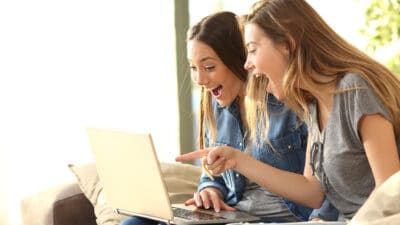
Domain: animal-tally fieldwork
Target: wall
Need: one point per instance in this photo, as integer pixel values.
(68, 65)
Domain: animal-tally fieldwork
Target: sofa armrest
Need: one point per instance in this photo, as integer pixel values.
(61, 205)
(74, 210)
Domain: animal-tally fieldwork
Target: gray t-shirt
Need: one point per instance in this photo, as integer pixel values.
(342, 168)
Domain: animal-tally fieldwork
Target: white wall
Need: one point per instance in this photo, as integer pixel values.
(68, 65)
(346, 17)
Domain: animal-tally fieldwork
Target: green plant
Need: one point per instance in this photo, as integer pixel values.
(382, 27)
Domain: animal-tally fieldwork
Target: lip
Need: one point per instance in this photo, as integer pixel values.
(257, 75)
(211, 90)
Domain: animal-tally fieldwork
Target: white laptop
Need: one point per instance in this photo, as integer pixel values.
(132, 181)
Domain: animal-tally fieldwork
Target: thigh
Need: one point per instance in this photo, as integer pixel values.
(266, 205)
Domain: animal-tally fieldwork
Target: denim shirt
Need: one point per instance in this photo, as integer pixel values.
(286, 134)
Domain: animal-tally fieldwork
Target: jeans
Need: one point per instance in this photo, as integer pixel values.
(144, 221)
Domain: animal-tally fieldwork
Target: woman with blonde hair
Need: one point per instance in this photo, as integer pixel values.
(350, 102)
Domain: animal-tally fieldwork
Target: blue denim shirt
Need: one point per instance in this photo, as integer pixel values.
(288, 137)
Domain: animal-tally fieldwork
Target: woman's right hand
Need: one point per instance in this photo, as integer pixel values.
(216, 159)
(209, 198)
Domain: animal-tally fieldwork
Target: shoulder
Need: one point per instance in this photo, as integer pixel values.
(274, 105)
(352, 80)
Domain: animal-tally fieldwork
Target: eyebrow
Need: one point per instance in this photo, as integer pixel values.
(249, 43)
(204, 59)
(207, 58)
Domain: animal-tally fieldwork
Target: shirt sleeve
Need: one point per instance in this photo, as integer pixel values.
(361, 101)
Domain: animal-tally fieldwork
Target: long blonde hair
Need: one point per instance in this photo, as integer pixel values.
(315, 48)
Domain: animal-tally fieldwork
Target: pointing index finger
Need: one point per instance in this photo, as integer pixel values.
(192, 155)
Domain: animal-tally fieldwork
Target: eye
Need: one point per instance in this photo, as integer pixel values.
(209, 68)
(192, 68)
(251, 50)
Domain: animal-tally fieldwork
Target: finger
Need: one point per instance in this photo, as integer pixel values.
(205, 198)
(197, 199)
(216, 155)
(217, 170)
(216, 200)
(192, 155)
(217, 167)
(190, 202)
(227, 207)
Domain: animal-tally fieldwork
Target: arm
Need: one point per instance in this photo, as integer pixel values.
(304, 189)
(377, 135)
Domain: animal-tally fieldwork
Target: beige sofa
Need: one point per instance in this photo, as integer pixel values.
(82, 202)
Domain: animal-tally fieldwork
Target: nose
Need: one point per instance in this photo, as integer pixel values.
(248, 65)
(200, 78)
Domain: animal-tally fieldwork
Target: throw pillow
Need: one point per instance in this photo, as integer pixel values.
(382, 206)
(181, 181)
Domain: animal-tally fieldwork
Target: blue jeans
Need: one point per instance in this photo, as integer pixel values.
(144, 221)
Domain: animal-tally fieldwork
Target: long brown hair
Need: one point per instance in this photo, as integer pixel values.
(315, 48)
(220, 31)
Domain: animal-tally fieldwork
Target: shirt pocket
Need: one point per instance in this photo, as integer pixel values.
(288, 152)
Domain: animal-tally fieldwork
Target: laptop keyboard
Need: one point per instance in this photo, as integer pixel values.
(194, 215)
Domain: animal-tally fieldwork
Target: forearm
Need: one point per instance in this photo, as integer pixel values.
(295, 187)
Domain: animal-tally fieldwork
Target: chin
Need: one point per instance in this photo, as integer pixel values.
(279, 97)
(223, 103)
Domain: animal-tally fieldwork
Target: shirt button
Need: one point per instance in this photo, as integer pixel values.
(289, 147)
(237, 175)
(240, 144)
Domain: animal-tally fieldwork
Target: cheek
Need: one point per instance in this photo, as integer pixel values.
(194, 76)
(264, 60)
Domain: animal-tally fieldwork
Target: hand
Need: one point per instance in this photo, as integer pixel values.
(209, 198)
(317, 219)
(216, 159)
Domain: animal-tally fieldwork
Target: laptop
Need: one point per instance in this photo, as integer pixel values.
(133, 183)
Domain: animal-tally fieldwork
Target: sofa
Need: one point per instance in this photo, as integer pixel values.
(81, 202)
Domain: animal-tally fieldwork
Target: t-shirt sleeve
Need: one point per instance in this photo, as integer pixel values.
(362, 101)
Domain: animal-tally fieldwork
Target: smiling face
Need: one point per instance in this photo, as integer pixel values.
(208, 71)
(265, 58)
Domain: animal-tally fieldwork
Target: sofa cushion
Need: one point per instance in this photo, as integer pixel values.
(181, 181)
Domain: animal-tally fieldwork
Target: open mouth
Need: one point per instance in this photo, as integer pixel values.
(216, 92)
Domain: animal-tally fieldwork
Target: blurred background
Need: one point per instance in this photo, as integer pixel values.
(69, 65)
